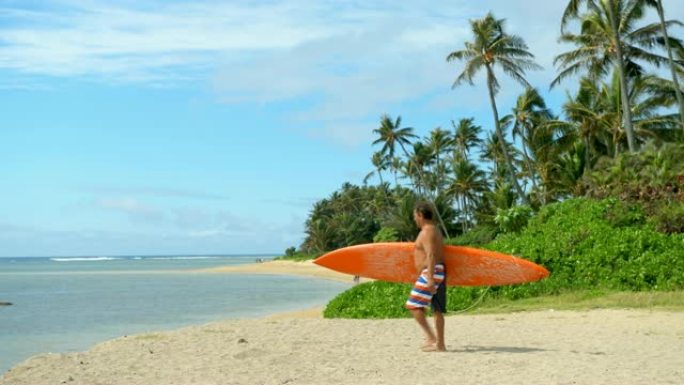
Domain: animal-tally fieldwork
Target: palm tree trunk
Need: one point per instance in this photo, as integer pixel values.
(678, 91)
(587, 154)
(528, 162)
(627, 111)
(502, 140)
(438, 170)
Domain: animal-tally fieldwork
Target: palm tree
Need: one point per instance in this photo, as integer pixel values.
(593, 118)
(491, 47)
(658, 5)
(380, 163)
(529, 113)
(570, 167)
(494, 151)
(395, 164)
(608, 38)
(440, 142)
(391, 134)
(468, 184)
(466, 136)
(418, 165)
(587, 116)
(647, 100)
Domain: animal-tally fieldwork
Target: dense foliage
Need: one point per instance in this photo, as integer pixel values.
(654, 178)
(355, 214)
(617, 140)
(585, 244)
(618, 135)
(609, 244)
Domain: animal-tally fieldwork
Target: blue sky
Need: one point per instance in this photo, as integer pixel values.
(172, 127)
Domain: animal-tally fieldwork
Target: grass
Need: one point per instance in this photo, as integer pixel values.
(586, 300)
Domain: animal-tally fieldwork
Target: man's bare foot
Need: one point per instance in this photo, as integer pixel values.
(432, 347)
(429, 348)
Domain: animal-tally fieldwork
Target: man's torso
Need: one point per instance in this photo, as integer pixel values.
(428, 238)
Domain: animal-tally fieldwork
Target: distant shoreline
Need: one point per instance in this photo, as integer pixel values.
(283, 267)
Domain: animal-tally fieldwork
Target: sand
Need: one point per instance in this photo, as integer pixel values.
(542, 347)
(305, 268)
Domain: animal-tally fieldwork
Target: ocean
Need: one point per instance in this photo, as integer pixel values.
(67, 304)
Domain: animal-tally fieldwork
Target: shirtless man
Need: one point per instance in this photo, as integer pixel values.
(429, 289)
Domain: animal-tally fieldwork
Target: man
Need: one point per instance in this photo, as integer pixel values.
(430, 288)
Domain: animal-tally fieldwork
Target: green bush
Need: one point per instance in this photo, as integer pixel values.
(668, 217)
(386, 234)
(380, 300)
(376, 299)
(478, 236)
(588, 244)
(513, 219)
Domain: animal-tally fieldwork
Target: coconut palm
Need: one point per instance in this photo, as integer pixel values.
(418, 165)
(529, 113)
(658, 5)
(396, 164)
(588, 118)
(440, 143)
(466, 136)
(646, 102)
(570, 168)
(392, 134)
(492, 150)
(493, 47)
(545, 145)
(380, 163)
(468, 185)
(609, 39)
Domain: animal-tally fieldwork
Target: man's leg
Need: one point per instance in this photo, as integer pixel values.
(439, 328)
(419, 316)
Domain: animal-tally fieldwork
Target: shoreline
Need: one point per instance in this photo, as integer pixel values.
(300, 347)
(558, 347)
(284, 267)
(303, 269)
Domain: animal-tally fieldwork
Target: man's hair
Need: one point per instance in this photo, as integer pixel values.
(425, 210)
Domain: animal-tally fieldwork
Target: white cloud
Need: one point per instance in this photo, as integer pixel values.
(135, 44)
(344, 63)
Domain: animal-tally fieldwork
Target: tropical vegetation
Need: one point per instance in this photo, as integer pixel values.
(594, 191)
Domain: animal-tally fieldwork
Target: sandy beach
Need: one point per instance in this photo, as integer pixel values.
(594, 347)
(543, 347)
(305, 268)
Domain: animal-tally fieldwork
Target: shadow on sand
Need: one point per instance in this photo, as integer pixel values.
(495, 349)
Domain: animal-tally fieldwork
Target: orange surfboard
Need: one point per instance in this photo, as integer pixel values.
(466, 266)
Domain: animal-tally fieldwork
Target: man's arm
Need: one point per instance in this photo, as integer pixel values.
(430, 245)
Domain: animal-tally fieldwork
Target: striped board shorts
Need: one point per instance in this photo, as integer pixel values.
(421, 297)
